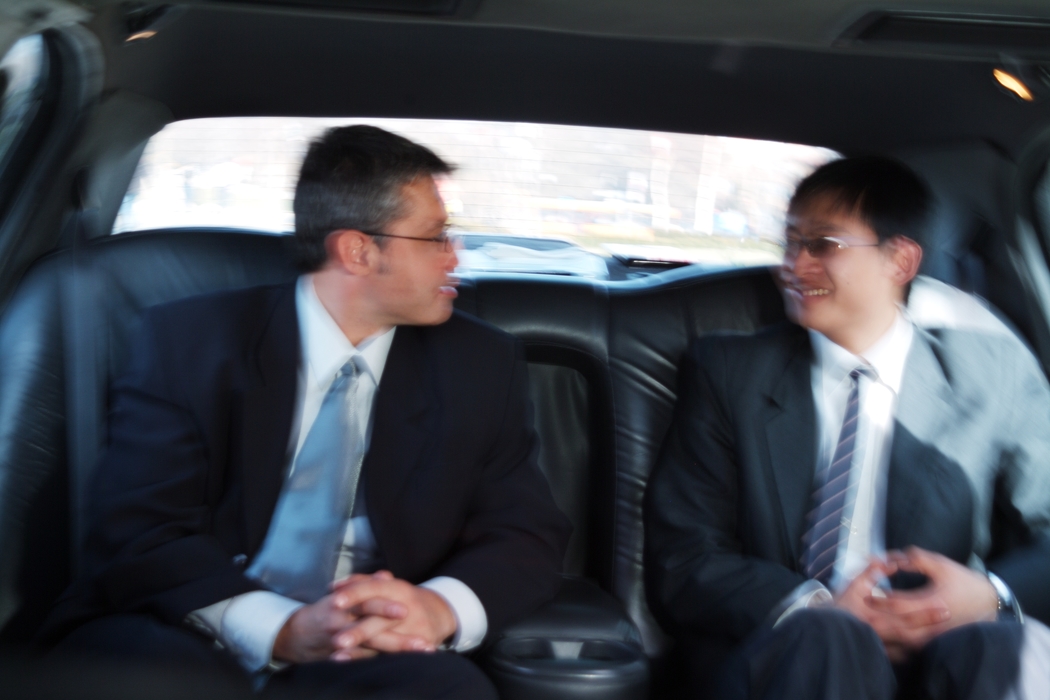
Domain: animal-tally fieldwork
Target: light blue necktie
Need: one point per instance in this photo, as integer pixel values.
(299, 555)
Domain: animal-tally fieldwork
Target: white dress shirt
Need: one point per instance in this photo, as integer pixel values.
(248, 624)
(871, 457)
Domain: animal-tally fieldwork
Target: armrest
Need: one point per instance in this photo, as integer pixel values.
(580, 645)
(581, 610)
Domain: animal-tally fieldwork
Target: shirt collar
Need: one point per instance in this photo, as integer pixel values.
(887, 355)
(325, 347)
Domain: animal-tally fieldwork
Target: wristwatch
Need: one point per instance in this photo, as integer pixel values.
(1009, 608)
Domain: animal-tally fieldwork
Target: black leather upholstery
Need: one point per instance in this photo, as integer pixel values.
(580, 645)
(34, 512)
(649, 331)
(602, 359)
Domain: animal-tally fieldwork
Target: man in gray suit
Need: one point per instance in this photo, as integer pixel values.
(835, 494)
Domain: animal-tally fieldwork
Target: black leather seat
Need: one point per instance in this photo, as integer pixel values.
(603, 364)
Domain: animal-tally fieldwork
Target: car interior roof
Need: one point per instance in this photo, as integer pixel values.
(784, 83)
(812, 23)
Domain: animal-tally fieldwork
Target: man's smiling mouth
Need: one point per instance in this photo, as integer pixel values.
(814, 292)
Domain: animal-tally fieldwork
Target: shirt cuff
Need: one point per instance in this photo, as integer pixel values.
(809, 594)
(209, 620)
(471, 621)
(247, 625)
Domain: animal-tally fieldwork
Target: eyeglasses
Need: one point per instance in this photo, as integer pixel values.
(820, 247)
(446, 238)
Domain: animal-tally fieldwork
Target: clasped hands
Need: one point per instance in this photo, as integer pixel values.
(905, 620)
(363, 615)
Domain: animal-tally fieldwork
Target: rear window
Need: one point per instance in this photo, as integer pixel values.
(530, 198)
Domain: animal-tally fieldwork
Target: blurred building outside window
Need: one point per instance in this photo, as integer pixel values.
(531, 197)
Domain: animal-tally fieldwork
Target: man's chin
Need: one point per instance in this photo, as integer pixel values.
(797, 314)
(434, 317)
(445, 315)
(808, 311)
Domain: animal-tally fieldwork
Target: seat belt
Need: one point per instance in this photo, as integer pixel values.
(85, 390)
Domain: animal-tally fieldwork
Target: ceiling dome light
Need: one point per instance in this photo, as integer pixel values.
(139, 36)
(1013, 84)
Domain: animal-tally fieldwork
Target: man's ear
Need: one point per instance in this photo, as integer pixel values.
(350, 250)
(905, 259)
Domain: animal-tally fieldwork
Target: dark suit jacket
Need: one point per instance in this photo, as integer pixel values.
(726, 504)
(199, 439)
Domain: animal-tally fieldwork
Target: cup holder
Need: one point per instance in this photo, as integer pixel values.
(524, 667)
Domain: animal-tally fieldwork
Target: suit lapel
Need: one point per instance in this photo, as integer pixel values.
(404, 426)
(266, 415)
(924, 409)
(791, 436)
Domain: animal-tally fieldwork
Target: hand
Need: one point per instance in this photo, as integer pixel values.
(426, 622)
(967, 595)
(852, 598)
(310, 633)
(907, 625)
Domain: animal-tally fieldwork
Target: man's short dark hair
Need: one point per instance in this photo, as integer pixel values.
(885, 193)
(352, 178)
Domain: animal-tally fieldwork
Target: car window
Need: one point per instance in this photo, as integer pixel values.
(570, 200)
(22, 83)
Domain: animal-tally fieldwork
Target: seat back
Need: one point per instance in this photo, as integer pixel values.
(651, 329)
(624, 341)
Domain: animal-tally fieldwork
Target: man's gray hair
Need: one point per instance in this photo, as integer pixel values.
(352, 178)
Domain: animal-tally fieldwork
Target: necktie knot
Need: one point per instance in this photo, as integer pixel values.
(352, 367)
(865, 370)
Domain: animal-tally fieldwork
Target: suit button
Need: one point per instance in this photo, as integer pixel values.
(240, 560)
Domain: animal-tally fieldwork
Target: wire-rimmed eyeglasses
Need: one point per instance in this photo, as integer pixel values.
(446, 238)
(821, 246)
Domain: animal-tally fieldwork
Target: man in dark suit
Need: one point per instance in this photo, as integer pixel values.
(817, 469)
(331, 479)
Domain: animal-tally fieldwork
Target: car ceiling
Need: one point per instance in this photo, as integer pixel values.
(761, 69)
(812, 23)
(238, 60)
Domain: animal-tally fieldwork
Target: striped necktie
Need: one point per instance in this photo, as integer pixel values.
(832, 500)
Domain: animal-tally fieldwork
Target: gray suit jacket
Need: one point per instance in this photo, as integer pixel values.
(969, 472)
